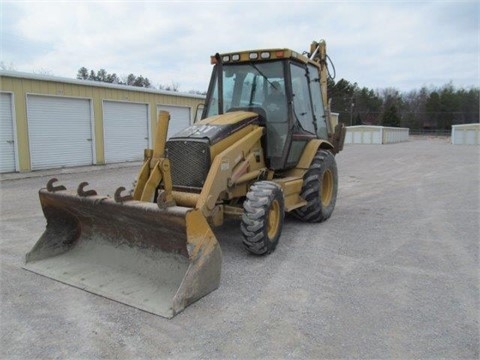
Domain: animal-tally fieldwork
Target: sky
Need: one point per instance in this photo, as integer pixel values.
(377, 44)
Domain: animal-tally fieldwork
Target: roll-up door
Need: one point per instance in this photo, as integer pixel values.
(125, 129)
(7, 135)
(60, 132)
(179, 118)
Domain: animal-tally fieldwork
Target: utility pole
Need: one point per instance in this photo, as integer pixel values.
(352, 105)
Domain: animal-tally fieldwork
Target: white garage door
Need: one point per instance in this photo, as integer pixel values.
(59, 131)
(7, 135)
(125, 129)
(179, 118)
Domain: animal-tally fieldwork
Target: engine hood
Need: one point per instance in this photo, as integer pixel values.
(218, 127)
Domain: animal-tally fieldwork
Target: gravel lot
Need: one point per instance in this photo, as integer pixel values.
(393, 274)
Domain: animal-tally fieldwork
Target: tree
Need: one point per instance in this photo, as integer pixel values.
(197, 92)
(343, 100)
(130, 79)
(82, 73)
(103, 76)
(433, 108)
(368, 106)
(413, 112)
(92, 76)
(169, 87)
(470, 105)
(390, 116)
(113, 78)
(427, 108)
(449, 107)
(392, 102)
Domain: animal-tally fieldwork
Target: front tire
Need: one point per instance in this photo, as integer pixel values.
(320, 187)
(263, 215)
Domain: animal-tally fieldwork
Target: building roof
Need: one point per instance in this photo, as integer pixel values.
(31, 76)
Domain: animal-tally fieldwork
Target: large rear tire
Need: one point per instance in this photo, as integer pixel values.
(262, 220)
(320, 187)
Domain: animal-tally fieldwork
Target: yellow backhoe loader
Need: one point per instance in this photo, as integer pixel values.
(265, 146)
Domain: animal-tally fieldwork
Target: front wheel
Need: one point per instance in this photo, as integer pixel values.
(320, 186)
(262, 220)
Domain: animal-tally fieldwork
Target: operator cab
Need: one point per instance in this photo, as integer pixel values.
(279, 86)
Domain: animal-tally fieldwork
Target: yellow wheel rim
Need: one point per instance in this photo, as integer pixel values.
(326, 192)
(273, 219)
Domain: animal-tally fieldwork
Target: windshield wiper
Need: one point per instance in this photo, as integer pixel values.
(298, 122)
(263, 75)
(254, 89)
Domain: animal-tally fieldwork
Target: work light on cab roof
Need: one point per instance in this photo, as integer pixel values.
(253, 55)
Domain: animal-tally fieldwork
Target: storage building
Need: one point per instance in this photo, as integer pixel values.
(366, 134)
(49, 122)
(466, 134)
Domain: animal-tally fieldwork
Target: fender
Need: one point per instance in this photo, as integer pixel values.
(308, 155)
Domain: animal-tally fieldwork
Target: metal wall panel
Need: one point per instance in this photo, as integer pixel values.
(59, 130)
(7, 134)
(125, 129)
(179, 118)
(393, 135)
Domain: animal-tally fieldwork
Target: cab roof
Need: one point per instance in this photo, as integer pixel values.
(261, 55)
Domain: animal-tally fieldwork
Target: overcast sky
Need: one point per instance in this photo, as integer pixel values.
(377, 44)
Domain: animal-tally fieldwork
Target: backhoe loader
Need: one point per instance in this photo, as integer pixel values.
(264, 147)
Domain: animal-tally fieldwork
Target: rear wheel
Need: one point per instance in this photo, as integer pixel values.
(320, 186)
(262, 220)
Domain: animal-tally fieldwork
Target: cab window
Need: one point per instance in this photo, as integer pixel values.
(302, 107)
(317, 102)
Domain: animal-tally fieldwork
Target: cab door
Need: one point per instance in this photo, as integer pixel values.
(303, 116)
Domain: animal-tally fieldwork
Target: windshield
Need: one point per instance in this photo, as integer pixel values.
(249, 85)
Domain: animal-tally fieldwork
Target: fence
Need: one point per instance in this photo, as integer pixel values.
(433, 132)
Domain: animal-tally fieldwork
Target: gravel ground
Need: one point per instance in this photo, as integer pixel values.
(392, 274)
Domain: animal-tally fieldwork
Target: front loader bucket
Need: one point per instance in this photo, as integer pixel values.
(157, 260)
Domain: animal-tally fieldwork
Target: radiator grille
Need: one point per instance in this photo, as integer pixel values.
(189, 161)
